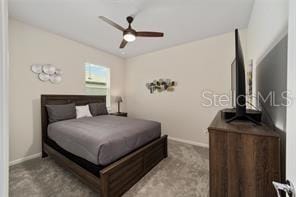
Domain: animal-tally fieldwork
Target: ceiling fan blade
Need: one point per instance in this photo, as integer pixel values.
(123, 44)
(149, 34)
(112, 23)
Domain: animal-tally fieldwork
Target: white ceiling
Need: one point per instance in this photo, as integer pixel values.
(181, 20)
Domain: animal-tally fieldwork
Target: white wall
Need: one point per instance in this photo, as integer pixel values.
(3, 98)
(268, 24)
(197, 66)
(29, 45)
(291, 111)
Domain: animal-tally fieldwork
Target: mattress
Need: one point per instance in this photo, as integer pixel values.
(103, 139)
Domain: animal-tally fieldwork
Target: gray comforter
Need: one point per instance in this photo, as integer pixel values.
(103, 139)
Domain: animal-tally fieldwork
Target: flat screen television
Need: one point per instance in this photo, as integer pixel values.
(238, 80)
(239, 112)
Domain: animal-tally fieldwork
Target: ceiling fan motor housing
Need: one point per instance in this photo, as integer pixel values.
(129, 31)
(129, 19)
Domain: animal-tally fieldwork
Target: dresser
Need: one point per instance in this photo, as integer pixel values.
(244, 159)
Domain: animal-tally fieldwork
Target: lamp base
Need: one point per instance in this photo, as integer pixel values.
(118, 111)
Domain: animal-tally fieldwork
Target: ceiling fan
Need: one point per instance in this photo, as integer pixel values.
(129, 34)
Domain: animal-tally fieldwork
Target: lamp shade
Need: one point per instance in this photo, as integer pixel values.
(118, 99)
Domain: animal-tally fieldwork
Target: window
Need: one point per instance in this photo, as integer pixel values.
(97, 81)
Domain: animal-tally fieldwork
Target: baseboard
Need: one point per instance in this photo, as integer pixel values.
(24, 159)
(189, 142)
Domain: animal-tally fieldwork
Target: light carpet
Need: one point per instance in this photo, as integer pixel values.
(185, 173)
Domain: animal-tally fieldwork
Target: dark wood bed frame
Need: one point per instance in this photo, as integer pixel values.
(116, 178)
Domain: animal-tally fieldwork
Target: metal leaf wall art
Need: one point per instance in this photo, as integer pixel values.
(161, 85)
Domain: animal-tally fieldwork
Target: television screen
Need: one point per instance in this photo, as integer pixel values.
(238, 87)
(240, 77)
(233, 83)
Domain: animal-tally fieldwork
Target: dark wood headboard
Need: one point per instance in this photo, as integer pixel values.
(63, 99)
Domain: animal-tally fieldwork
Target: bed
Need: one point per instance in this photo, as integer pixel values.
(109, 162)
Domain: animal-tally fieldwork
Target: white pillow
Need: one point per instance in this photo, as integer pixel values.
(82, 111)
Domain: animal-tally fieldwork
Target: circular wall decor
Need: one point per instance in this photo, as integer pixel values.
(37, 68)
(47, 72)
(49, 69)
(44, 76)
(55, 78)
(58, 71)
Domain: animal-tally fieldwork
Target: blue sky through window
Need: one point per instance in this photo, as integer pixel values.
(96, 73)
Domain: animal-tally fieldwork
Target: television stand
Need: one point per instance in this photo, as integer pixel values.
(244, 159)
(230, 115)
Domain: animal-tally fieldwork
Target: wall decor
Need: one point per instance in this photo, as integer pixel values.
(47, 72)
(250, 72)
(161, 85)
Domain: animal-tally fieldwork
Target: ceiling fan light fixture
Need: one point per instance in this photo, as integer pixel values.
(129, 37)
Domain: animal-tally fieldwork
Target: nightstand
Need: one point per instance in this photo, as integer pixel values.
(123, 114)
